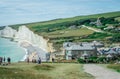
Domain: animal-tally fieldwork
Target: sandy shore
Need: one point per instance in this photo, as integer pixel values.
(33, 52)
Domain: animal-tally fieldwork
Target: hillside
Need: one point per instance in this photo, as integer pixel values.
(61, 22)
(71, 29)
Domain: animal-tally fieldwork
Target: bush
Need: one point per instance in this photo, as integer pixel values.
(101, 59)
(81, 60)
(92, 59)
(116, 37)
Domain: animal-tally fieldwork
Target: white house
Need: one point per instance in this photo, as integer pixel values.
(83, 49)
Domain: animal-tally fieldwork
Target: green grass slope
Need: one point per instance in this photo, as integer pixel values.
(67, 33)
(52, 28)
(58, 30)
(40, 24)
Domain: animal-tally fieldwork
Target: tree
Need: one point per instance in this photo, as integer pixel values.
(116, 37)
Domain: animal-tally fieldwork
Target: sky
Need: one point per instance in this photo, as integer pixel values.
(27, 11)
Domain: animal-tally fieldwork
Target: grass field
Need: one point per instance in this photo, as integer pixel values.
(116, 67)
(68, 33)
(43, 71)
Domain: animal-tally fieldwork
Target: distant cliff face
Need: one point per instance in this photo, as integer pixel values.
(24, 34)
(8, 32)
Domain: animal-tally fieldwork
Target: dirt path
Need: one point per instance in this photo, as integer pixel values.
(100, 72)
(94, 29)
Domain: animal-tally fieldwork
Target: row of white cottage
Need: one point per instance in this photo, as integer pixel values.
(86, 49)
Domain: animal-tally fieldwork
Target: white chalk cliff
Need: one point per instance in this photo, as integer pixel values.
(24, 34)
(36, 44)
(8, 32)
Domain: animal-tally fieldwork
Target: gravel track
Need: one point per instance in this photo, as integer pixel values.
(100, 72)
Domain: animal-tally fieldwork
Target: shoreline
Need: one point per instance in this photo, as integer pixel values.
(24, 44)
(25, 56)
(30, 50)
(17, 54)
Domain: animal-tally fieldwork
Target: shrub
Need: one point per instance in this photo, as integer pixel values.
(101, 59)
(92, 59)
(116, 37)
(81, 60)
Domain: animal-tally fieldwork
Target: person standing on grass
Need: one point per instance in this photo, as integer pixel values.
(8, 60)
(4, 59)
(28, 60)
(53, 60)
(0, 60)
(39, 60)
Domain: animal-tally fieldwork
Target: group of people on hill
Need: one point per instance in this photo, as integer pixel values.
(5, 61)
(34, 60)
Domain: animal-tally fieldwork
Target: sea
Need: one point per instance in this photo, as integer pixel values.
(11, 49)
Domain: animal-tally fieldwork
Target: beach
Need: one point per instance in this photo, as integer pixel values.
(33, 51)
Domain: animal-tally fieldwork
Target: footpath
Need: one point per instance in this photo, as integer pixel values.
(100, 72)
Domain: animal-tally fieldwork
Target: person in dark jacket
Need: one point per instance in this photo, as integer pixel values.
(53, 60)
(28, 60)
(1, 60)
(39, 60)
(8, 60)
(4, 59)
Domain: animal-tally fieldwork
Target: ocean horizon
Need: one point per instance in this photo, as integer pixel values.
(11, 49)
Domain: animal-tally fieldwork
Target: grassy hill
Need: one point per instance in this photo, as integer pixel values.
(58, 30)
(36, 25)
(48, 28)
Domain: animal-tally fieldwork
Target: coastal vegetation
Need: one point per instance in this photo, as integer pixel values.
(99, 59)
(44, 71)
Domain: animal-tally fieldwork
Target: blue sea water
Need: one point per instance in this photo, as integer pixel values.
(11, 49)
